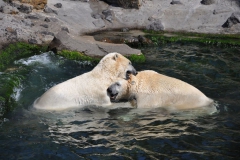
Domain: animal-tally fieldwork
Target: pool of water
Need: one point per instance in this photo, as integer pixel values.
(125, 133)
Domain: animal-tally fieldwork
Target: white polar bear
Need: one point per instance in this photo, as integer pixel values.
(89, 88)
(149, 89)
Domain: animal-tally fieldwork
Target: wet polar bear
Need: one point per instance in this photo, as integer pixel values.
(89, 88)
(149, 89)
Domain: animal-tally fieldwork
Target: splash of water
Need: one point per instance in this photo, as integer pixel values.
(41, 59)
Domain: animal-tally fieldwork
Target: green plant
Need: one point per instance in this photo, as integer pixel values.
(75, 55)
(7, 84)
(137, 58)
(18, 50)
(225, 40)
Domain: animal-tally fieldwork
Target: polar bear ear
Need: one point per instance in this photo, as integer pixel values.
(115, 57)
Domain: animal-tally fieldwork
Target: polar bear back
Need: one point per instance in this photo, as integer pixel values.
(79, 92)
(155, 90)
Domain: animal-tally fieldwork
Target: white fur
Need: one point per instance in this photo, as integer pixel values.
(86, 89)
(149, 89)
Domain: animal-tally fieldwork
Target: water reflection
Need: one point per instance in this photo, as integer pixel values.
(121, 132)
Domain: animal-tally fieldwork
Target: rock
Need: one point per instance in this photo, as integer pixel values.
(207, 2)
(81, 0)
(1, 16)
(99, 23)
(64, 41)
(125, 3)
(97, 16)
(24, 8)
(50, 19)
(47, 19)
(49, 10)
(28, 22)
(108, 15)
(156, 26)
(228, 24)
(37, 4)
(125, 29)
(2, 4)
(10, 10)
(47, 33)
(175, 2)
(58, 5)
(65, 29)
(32, 41)
(120, 48)
(232, 20)
(221, 10)
(47, 39)
(142, 39)
(16, 4)
(44, 25)
(32, 16)
(53, 19)
(132, 40)
(151, 18)
(11, 30)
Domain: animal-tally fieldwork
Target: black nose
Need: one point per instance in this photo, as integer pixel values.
(109, 90)
(134, 72)
(129, 72)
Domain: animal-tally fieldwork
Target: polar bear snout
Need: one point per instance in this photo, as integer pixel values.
(113, 91)
(132, 70)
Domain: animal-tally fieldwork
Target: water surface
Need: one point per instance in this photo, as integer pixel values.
(124, 133)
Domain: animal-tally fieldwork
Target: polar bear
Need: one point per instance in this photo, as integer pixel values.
(149, 89)
(88, 88)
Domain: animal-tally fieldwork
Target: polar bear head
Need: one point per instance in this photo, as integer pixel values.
(116, 66)
(122, 89)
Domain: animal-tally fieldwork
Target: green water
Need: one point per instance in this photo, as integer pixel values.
(124, 133)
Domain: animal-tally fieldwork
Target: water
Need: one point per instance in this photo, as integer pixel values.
(124, 133)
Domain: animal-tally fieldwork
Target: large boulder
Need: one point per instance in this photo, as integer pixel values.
(63, 40)
(232, 20)
(125, 3)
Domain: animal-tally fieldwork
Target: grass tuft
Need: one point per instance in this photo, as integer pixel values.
(75, 55)
(137, 58)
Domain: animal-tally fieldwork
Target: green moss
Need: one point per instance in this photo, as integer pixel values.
(75, 55)
(18, 50)
(137, 58)
(225, 40)
(8, 81)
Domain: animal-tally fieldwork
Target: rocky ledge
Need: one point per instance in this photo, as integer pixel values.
(63, 24)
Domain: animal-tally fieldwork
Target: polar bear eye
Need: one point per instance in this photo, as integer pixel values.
(130, 63)
(118, 84)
